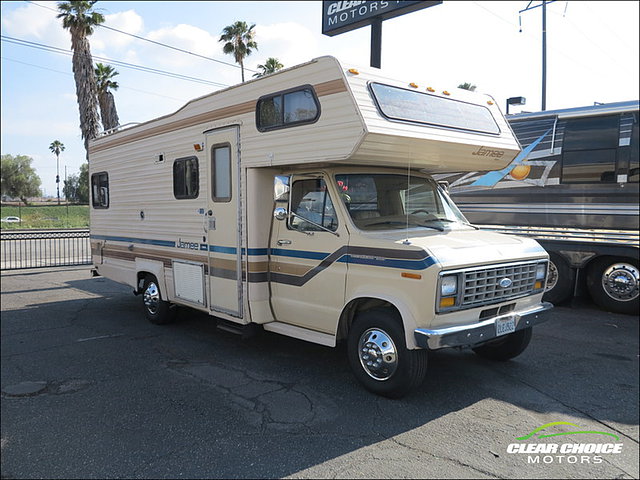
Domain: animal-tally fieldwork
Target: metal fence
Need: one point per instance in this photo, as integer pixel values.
(44, 248)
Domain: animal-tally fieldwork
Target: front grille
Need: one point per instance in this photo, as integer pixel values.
(482, 286)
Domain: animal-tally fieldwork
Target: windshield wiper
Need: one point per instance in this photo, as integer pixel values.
(396, 222)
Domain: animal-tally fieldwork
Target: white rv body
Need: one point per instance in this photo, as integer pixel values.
(214, 244)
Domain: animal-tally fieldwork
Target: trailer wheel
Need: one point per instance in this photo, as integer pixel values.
(560, 280)
(613, 284)
(379, 357)
(506, 347)
(156, 310)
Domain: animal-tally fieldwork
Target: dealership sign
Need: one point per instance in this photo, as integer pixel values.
(342, 16)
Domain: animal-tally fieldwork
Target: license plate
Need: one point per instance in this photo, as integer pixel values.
(505, 325)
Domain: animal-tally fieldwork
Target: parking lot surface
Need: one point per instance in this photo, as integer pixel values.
(91, 390)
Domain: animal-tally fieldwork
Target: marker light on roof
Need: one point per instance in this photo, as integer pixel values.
(413, 85)
(429, 89)
(446, 93)
(489, 102)
(354, 71)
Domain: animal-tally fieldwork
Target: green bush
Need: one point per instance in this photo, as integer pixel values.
(46, 216)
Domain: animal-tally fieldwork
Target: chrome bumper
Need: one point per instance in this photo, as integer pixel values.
(478, 332)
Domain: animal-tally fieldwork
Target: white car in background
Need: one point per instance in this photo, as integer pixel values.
(11, 220)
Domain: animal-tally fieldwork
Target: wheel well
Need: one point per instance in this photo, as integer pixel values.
(140, 276)
(357, 306)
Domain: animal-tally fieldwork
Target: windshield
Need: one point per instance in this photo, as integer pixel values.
(393, 201)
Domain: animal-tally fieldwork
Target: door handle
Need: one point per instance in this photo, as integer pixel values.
(283, 242)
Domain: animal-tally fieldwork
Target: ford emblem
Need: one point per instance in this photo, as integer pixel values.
(505, 282)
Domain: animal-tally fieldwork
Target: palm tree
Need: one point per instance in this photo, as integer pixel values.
(467, 86)
(272, 65)
(80, 20)
(239, 42)
(56, 147)
(104, 83)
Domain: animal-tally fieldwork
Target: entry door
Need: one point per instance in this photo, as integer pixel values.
(307, 278)
(222, 221)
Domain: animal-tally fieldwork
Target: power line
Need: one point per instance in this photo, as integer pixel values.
(155, 42)
(71, 75)
(142, 68)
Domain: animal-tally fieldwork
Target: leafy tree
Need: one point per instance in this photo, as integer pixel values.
(105, 83)
(271, 65)
(83, 184)
(80, 20)
(467, 86)
(18, 178)
(239, 42)
(56, 148)
(76, 186)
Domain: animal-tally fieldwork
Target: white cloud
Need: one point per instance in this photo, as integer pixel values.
(186, 37)
(35, 22)
(128, 21)
(290, 42)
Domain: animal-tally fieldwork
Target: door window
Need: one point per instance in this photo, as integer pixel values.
(311, 206)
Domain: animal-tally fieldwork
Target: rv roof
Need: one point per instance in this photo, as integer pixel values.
(604, 109)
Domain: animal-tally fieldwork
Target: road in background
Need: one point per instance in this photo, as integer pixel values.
(91, 390)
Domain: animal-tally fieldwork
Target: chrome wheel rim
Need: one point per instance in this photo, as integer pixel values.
(152, 298)
(620, 282)
(552, 277)
(378, 354)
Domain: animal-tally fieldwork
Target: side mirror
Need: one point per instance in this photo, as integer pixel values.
(280, 213)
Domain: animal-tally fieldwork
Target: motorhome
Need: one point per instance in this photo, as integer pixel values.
(301, 203)
(574, 188)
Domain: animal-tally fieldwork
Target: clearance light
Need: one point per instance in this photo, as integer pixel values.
(446, 93)
(197, 147)
(489, 102)
(354, 71)
(415, 276)
(447, 302)
(413, 85)
(429, 89)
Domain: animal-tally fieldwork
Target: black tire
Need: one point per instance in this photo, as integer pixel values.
(613, 284)
(560, 280)
(156, 310)
(506, 347)
(406, 370)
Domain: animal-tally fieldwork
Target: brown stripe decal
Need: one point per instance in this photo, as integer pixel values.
(325, 88)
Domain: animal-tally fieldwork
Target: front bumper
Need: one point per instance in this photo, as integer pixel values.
(478, 332)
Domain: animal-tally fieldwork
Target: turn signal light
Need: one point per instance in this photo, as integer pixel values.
(415, 276)
(447, 302)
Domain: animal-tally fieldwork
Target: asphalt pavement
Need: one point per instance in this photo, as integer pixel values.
(90, 389)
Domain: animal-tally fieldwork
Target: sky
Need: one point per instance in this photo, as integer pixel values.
(592, 56)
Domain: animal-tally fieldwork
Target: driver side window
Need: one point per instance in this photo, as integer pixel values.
(311, 204)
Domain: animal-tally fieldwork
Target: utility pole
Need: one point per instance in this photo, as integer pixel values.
(542, 4)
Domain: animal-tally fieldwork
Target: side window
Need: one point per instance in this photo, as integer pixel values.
(312, 206)
(287, 109)
(221, 173)
(589, 150)
(100, 190)
(634, 162)
(186, 178)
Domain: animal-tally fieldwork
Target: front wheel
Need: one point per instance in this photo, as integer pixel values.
(560, 281)
(506, 347)
(379, 357)
(613, 284)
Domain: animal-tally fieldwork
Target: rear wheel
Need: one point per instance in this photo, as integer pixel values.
(156, 310)
(379, 357)
(506, 347)
(560, 280)
(613, 284)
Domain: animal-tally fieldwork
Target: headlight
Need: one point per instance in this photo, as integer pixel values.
(448, 285)
(541, 271)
